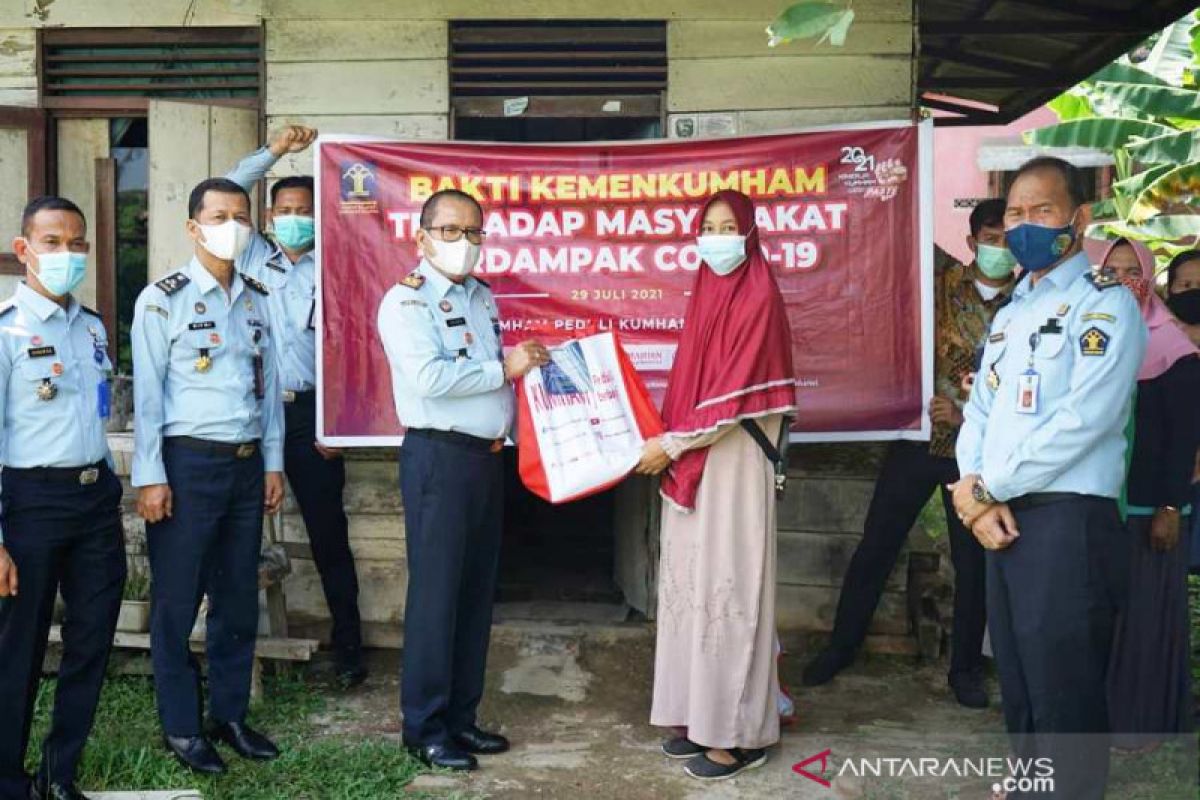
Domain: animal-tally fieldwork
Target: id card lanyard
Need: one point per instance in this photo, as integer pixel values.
(1029, 382)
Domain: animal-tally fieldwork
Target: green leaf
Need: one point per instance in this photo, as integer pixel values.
(1104, 208)
(1071, 105)
(1099, 133)
(1175, 148)
(1168, 227)
(837, 34)
(804, 20)
(1153, 101)
(1171, 55)
(1179, 185)
(1124, 73)
(1134, 185)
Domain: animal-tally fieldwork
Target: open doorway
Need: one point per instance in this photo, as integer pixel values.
(565, 82)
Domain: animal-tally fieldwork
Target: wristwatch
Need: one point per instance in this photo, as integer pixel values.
(981, 493)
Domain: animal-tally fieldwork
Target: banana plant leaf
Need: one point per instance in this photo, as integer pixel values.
(1178, 185)
(1071, 105)
(1153, 101)
(1174, 148)
(1124, 73)
(1099, 133)
(804, 20)
(1168, 227)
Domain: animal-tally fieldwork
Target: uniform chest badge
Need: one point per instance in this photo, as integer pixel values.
(1063, 309)
(469, 338)
(200, 307)
(57, 368)
(35, 341)
(1093, 342)
(46, 390)
(993, 378)
(446, 306)
(215, 338)
(203, 363)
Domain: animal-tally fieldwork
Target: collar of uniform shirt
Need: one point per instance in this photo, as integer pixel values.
(43, 306)
(206, 281)
(1061, 276)
(441, 283)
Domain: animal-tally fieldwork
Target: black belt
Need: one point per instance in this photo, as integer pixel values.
(306, 397)
(242, 450)
(84, 476)
(1038, 499)
(454, 437)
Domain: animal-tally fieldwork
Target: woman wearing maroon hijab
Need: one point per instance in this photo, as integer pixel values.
(714, 676)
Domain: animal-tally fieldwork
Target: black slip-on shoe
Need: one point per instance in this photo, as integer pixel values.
(704, 768)
(245, 741)
(444, 756)
(196, 753)
(681, 747)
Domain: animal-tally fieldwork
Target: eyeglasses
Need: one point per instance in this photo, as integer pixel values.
(452, 233)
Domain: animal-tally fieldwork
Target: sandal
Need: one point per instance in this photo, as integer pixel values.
(681, 747)
(705, 769)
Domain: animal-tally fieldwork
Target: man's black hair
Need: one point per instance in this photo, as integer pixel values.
(219, 185)
(1177, 262)
(294, 182)
(989, 214)
(47, 202)
(1071, 175)
(429, 210)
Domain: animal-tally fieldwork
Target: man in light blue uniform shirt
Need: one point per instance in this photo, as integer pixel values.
(285, 262)
(208, 461)
(60, 517)
(450, 381)
(1042, 454)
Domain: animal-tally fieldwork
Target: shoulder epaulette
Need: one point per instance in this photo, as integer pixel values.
(7, 307)
(91, 311)
(1102, 280)
(255, 284)
(173, 283)
(413, 280)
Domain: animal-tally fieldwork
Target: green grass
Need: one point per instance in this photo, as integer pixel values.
(126, 751)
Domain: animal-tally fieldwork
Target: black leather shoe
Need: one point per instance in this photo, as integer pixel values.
(828, 663)
(969, 689)
(196, 753)
(40, 790)
(245, 741)
(444, 756)
(481, 743)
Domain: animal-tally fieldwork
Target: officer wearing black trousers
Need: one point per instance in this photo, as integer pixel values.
(285, 261)
(1042, 454)
(450, 381)
(60, 520)
(208, 461)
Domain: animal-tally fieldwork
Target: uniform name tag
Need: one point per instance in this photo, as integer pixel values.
(202, 326)
(1027, 393)
(41, 352)
(456, 322)
(996, 337)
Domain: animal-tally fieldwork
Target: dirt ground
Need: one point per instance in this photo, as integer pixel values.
(575, 702)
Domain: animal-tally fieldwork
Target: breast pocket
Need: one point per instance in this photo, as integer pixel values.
(211, 339)
(1052, 360)
(44, 377)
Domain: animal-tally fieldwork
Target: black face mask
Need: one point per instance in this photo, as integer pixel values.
(1186, 306)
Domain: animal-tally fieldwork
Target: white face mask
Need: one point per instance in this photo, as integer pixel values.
(226, 241)
(455, 259)
(722, 252)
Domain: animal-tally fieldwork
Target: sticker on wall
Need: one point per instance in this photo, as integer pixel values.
(515, 106)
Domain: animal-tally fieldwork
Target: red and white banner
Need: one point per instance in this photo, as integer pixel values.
(601, 236)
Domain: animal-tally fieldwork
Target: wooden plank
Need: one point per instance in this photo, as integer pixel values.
(349, 40)
(812, 608)
(381, 585)
(818, 559)
(178, 138)
(26, 97)
(358, 87)
(273, 648)
(759, 11)
(575, 106)
(80, 143)
(702, 39)
(18, 58)
(714, 84)
(371, 535)
(372, 488)
(129, 13)
(784, 119)
(826, 505)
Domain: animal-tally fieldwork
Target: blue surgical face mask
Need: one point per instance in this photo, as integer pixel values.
(294, 232)
(722, 252)
(1038, 247)
(61, 272)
